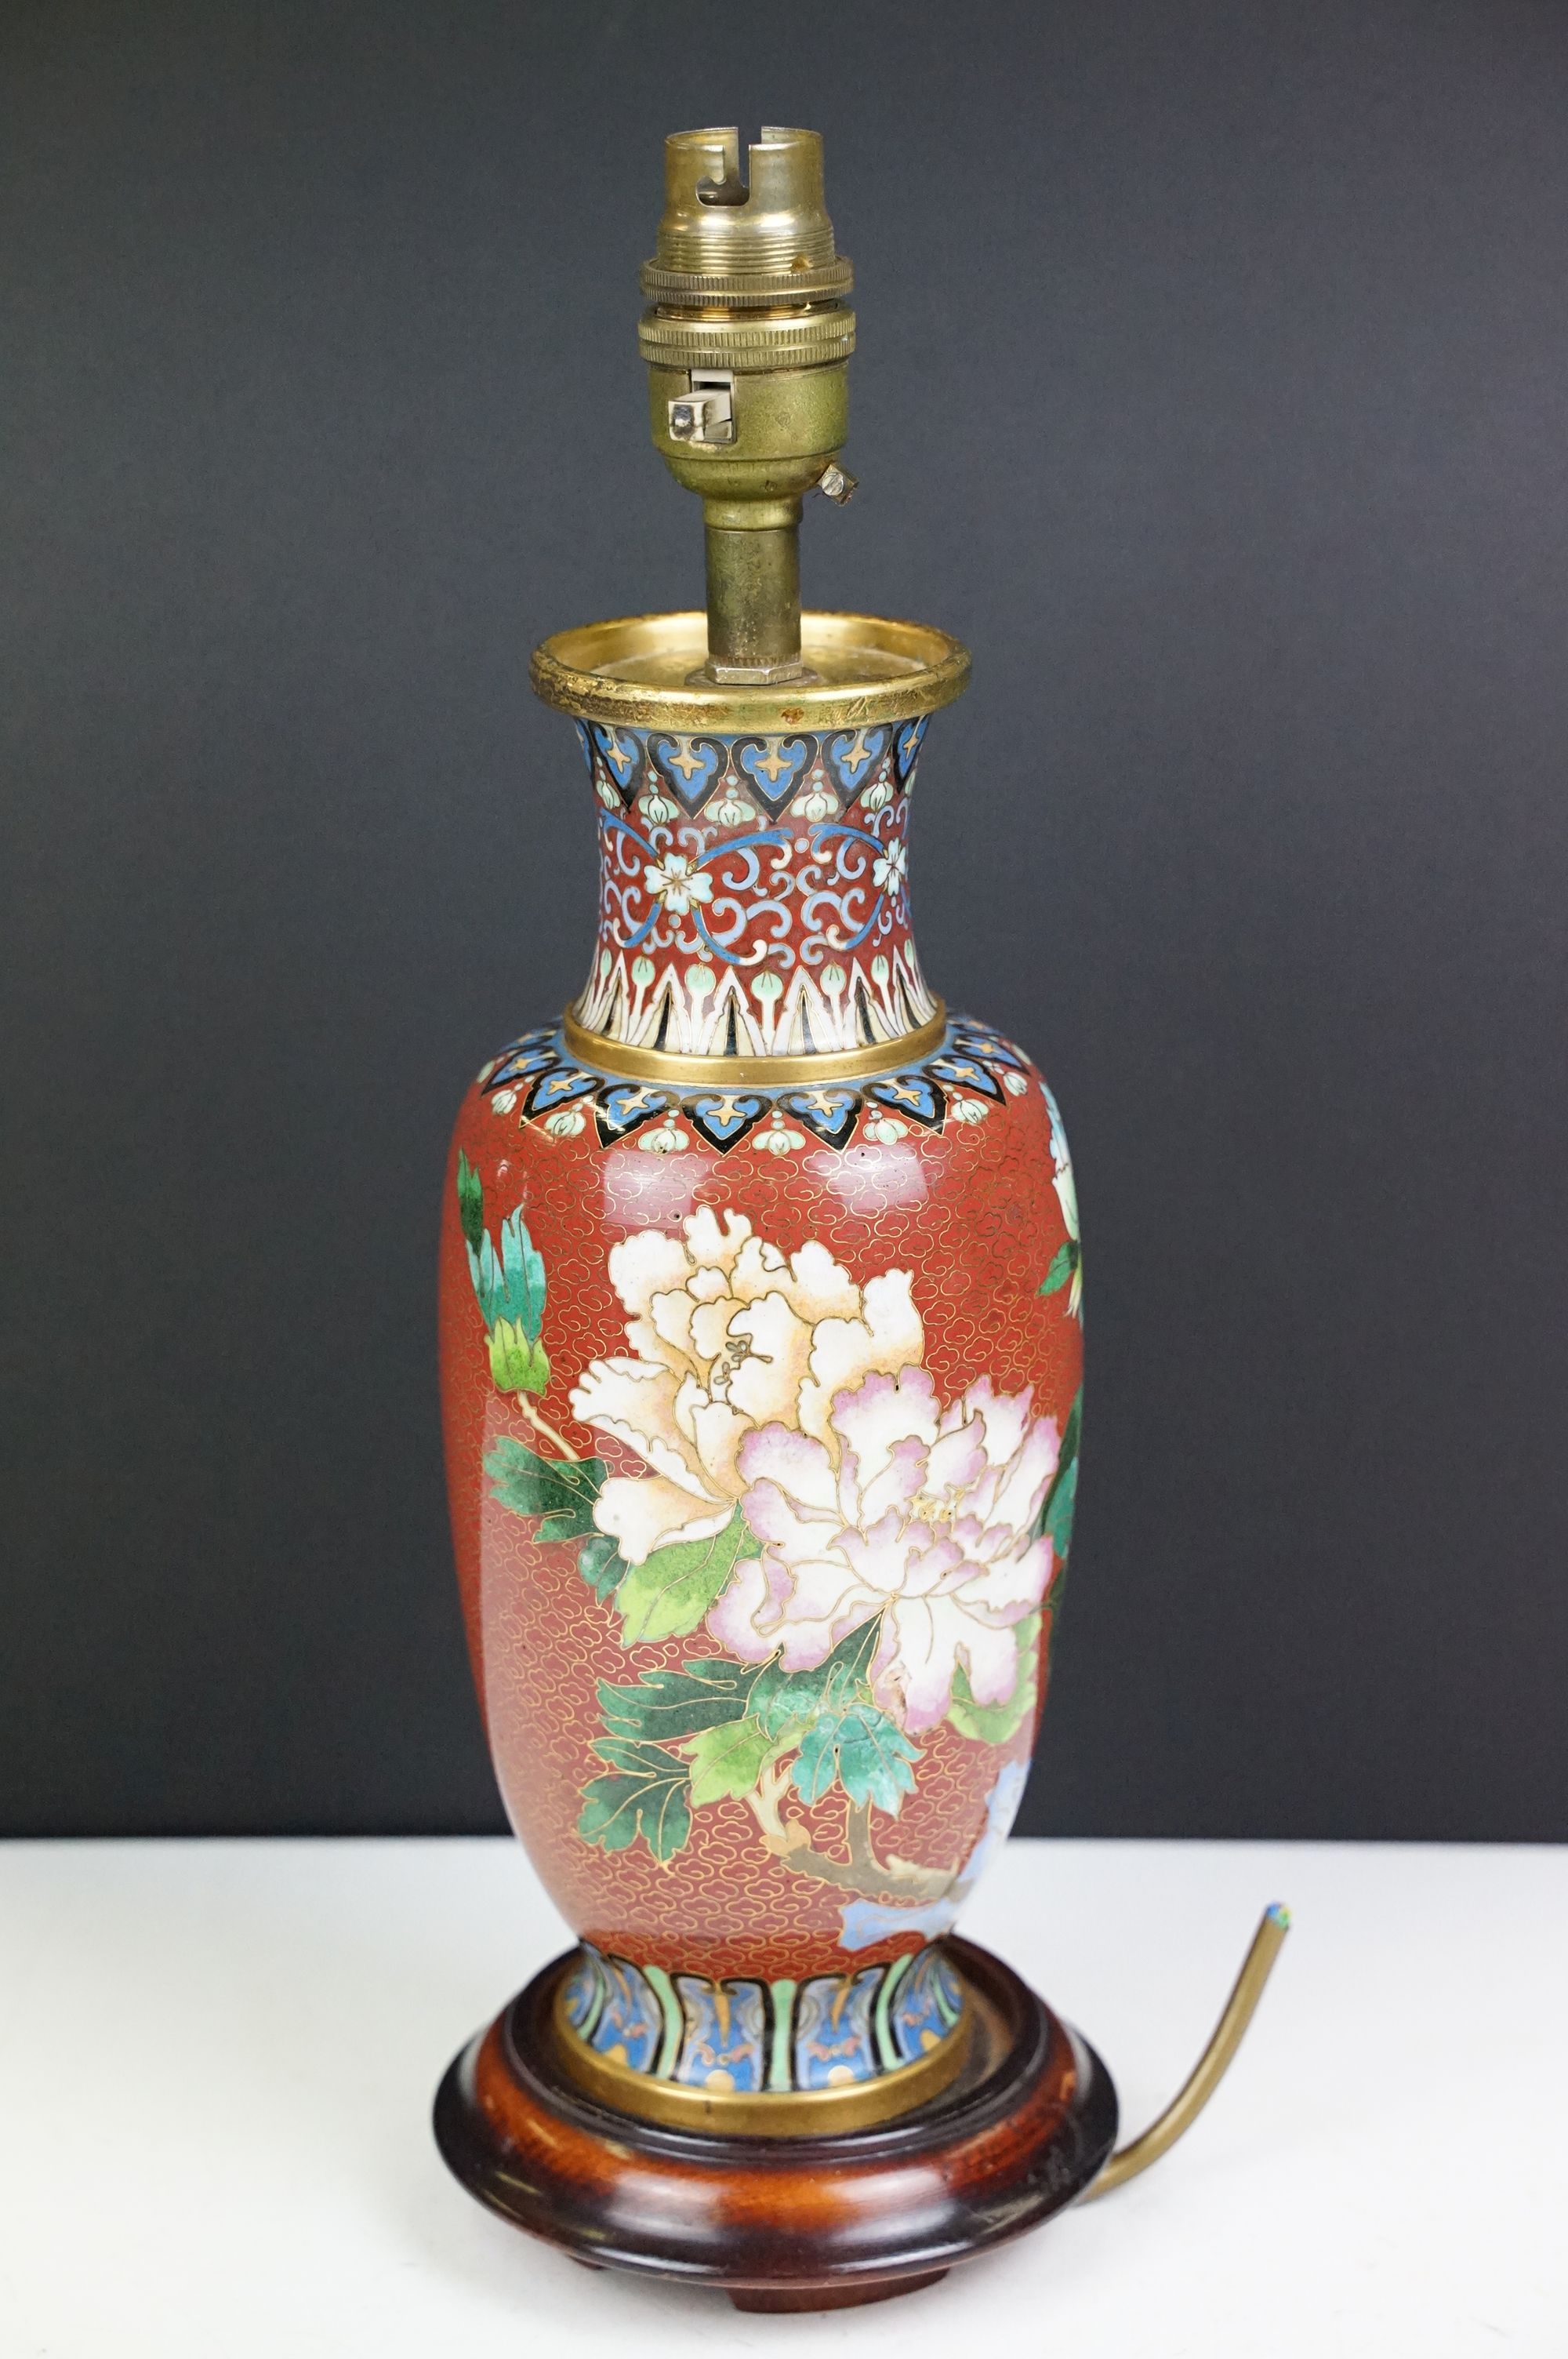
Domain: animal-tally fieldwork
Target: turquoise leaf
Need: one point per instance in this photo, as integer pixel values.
(861, 1750)
(510, 1285)
(782, 1699)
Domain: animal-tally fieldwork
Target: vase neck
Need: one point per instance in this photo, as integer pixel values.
(753, 895)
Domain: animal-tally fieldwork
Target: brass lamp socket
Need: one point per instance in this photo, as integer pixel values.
(747, 344)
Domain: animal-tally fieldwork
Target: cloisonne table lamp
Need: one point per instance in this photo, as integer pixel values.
(762, 1347)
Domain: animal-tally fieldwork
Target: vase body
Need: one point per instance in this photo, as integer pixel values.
(761, 1420)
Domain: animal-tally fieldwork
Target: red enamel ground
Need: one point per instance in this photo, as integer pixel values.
(971, 1213)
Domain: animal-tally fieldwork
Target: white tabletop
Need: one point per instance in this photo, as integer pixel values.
(217, 2059)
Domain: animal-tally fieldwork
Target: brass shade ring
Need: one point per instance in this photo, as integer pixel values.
(635, 673)
(598, 1051)
(782, 2113)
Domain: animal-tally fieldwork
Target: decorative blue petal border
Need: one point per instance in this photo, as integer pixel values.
(826, 2033)
(972, 1059)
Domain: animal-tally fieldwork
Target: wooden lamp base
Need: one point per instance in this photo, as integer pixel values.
(785, 2224)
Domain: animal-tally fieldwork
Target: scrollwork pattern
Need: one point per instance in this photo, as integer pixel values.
(753, 895)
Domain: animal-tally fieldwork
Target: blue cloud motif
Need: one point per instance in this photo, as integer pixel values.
(854, 757)
(865, 1921)
(687, 764)
(773, 765)
(623, 756)
(910, 740)
(1002, 1809)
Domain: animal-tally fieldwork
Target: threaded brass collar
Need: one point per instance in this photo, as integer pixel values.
(798, 282)
(798, 340)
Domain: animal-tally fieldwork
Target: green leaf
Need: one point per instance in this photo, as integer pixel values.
(1055, 1597)
(1070, 1437)
(1056, 1515)
(727, 1760)
(562, 1490)
(648, 1794)
(1059, 1509)
(993, 1723)
(1063, 1262)
(667, 1596)
(782, 1699)
(861, 1750)
(511, 1285)
(471, 1202)
(664, 1705)
(516, 1365)
(601, 1564)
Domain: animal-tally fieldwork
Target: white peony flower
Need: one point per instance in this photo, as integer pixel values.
(925, 1517)
(885, 1127)
(967, 1109)
(675, 883)
(779, 1140)
(566, 1122)
(664, 1139)
(728, 1335)
(503, 1100)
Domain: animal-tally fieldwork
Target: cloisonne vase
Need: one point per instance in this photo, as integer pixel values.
(759, 1302)
(762, 1418)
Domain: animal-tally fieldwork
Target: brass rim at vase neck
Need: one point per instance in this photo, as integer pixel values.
(636, 673)
(780, 2113)
(632, 1064)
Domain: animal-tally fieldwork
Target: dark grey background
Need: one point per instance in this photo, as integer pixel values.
(1214, 386)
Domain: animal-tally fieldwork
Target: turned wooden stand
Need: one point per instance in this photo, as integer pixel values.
(787, 2224)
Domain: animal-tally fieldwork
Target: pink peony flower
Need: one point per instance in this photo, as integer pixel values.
(922, 1516)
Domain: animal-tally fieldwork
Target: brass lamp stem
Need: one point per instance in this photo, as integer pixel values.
(753, 592)
(1212, 2065)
